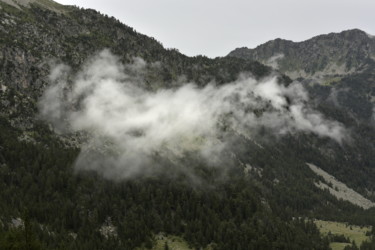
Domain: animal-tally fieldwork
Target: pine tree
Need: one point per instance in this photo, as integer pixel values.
(166, 246)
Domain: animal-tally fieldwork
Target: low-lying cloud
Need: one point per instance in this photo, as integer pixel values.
(131, 125)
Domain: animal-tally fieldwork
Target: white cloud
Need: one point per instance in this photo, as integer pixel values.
(132, 124)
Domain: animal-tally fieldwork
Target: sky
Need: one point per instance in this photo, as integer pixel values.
(216, 27)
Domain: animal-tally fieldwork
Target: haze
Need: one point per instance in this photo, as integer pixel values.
(131, 123)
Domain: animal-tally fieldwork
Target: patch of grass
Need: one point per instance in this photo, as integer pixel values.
(331, 81)
(338, 245)
(356, 233)
(174, 243)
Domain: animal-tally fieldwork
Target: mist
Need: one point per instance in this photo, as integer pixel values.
(127, 126)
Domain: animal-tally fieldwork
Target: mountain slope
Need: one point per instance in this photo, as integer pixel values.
(65, 210)
(250, 203)
(338, 70)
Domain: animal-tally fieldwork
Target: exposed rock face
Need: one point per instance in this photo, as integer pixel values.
(19, 2)
(27, 3)
(324, 55)
(340, 190)
(108, 229)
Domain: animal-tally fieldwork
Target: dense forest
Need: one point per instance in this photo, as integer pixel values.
(45, 203)
(59, 206)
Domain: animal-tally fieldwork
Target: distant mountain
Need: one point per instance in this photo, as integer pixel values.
(343, 64)
(321, 56)
(338, 69)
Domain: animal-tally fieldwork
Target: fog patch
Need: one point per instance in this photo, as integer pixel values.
(130, 129)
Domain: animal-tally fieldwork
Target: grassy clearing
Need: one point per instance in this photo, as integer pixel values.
(338, 245)
(174, 243)
(331, 81)
(356, 233)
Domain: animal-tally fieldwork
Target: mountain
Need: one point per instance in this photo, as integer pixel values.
(341, 63)
(321, 56)
(33, 37)
(223, 153)
(337, 69)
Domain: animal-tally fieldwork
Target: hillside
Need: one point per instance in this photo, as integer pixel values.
(338, 71)
(108, 140)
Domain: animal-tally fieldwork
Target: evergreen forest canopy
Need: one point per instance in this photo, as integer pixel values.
(55, 195)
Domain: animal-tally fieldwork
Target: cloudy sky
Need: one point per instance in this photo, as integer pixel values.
(215, 27)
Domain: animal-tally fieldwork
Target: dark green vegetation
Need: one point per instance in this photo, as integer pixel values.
(63, 209)
(231, 215)
(346, 95)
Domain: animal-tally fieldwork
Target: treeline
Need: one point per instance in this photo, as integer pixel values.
(67, 210)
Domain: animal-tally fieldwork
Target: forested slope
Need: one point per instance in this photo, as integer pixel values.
(262, 199)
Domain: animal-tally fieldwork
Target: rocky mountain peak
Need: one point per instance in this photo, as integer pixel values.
(323, 55)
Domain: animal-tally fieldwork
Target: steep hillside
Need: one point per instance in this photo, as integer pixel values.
(223, 164)
(338, 69)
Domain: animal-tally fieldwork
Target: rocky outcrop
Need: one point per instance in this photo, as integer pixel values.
(340, 190)
(48, 4)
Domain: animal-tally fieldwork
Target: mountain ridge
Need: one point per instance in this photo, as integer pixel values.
(48, 4)
(252, 202)
(323, 55)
